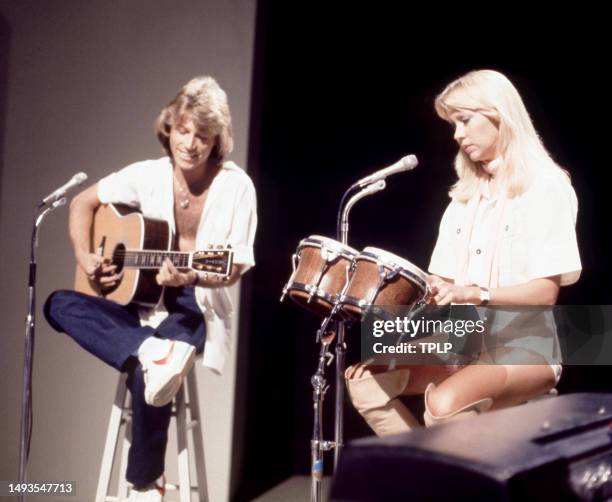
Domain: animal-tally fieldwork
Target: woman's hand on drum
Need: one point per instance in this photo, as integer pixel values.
(442, 292)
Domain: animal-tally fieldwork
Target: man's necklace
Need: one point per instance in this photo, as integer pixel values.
(184, 202)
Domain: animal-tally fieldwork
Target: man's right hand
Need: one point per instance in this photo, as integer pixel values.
(99, 270)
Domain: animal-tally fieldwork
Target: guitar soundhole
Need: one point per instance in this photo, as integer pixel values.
(119, 257)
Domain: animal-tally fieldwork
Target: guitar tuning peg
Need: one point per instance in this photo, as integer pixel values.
(210, 246)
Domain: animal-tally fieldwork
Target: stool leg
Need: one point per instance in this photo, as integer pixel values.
(112, 435)
(183, 450)
(196, 431)
(122, 492)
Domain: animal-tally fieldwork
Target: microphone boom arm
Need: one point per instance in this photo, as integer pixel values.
(368, 190)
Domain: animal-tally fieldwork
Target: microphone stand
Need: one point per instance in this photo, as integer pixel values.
(318, 446)
(26, 400)
(342, 232)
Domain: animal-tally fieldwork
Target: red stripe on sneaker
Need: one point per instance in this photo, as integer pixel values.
(165, 359)
(162, 489)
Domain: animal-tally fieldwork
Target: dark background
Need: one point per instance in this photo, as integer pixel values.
(340, 92)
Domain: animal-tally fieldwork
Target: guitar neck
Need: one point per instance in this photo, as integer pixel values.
(152, 259)
(216, 261)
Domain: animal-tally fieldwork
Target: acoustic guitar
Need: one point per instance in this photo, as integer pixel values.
(138, 246)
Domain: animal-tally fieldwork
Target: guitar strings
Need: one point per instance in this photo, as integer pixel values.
(152, 258)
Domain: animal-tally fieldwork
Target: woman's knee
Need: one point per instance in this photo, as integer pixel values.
(531, 380)
(442, 401)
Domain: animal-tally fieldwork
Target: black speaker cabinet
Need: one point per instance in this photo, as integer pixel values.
(558, 448)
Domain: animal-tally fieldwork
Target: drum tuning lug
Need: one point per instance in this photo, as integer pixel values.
(311, 292)
(328, 255)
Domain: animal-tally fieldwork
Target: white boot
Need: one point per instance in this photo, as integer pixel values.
(375, 398)
(468, 410)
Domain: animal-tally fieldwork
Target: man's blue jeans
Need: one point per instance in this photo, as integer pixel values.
(113, 334)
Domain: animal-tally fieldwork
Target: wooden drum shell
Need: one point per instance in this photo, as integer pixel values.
(407, 287)
(316, 283)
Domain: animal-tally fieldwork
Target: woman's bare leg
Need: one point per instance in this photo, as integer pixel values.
(506, 385)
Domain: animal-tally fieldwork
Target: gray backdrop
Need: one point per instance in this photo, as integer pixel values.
(81, 84)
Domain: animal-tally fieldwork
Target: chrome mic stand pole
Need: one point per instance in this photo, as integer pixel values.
(26, 399)
(340, 343)
(318, 446)
(367, 186)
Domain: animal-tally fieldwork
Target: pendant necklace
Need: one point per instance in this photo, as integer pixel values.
(184, 202)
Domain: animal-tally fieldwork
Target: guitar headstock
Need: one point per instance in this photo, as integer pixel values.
(216, 261)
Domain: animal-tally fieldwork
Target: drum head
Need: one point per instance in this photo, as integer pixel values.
(332, 244)
(409, 270)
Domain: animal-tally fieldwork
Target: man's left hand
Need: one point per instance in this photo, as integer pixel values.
(168, 275)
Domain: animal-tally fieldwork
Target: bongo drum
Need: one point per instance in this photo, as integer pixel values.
(381, 278)
(321, 268)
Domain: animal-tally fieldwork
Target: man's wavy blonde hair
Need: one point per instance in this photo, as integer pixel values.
(203, 101)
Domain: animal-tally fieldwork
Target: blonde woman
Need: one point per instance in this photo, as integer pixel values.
(506, 238)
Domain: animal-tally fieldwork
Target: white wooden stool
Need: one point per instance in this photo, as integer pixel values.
(120, 417)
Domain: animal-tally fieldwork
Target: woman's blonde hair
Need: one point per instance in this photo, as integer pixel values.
(520, 148)
(203, 101)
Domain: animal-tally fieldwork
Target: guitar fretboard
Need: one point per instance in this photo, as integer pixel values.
(154, 259)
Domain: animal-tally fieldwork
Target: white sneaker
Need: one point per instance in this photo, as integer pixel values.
(163, 377)
(151, 493)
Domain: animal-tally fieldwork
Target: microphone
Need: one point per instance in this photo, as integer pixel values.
(75, 181)
(404, 164)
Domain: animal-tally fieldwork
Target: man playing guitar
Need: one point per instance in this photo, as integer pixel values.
(205, 200)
